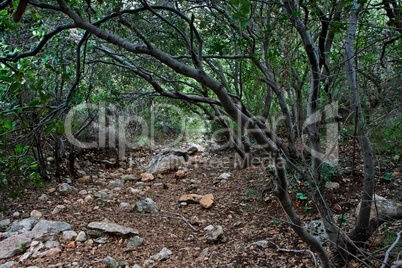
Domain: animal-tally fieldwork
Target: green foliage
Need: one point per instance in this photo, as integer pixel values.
(301, 196)
(388, 176)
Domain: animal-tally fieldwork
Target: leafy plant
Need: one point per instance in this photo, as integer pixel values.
(388, 176)
(301, 196)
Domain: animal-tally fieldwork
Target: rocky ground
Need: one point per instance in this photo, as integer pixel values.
(207, 214)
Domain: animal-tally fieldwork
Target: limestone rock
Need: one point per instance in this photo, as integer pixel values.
(112, 228)
(180, 174)
(146, 177)
(9, 264)
(330, 185)
(261, 243)
(207, 201)
(215, 235)
(167, 161)
(16, 244)
(381, 206)
(51, 227)
(162, 255)
(134, 242)
(190, 198)
(81, 237)
(57, 209)
(146, 206)
(69, 235)
(66, 189)
(110, 262)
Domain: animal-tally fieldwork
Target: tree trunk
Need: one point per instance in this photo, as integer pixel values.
(361, 233)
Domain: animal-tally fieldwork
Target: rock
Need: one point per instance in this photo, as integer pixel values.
(316, 228)
(207, 201)
(194, 220)
(51, 227)
(43, 197)
(16, 214)
(81, 237)
(69, 235)
(204, 254)
(136, 266)
(192, 150)
(16, 244)
(190, 198)
(381, 206)
(66, 189)
(112, 228)
(22, 225)
(36, 214)
(50, 252)
(134, 242)
(216, 235)
(224, 176)
(9, 264)
(51, 190)
(4, 223)
(88, 198)
(149, 263)
(199, 148)
(116, 184)
(128, 177)
(57, 209)
(330, 185)
(145, 177)
(71, 244)
(261, 243)
(124, 205)
(162, 255)
(167, 161)
(84, 179)
(180, 174)
(51, 244)
(110, 262)
(146, 206)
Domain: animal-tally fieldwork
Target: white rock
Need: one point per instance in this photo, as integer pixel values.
(69, 235)
(81, 237)
(57, 209)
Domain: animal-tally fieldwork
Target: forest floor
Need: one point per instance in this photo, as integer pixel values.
(240, 208)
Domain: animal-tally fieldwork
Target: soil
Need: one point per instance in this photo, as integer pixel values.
(243, 207)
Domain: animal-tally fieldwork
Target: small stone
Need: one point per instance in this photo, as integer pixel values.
(145, 177)
(84, 179)
(110, 262)
(43, 197)
(195, 220)
(330, 185)
(36, 214)
(51, 244)
(224, 176)
(16, 214)
(134, 191)
(50, 252)
(81, 237)
(116, 184)
(4, 223)
(162, 255)
(149, 263)
(209, 228)
(261, 243)
(207, 201)
(66, 189)
(51, 190)
(134, 242)
(83, 192)
(71, 244)
(124, 205)
(128, 177)
(190, 198)
(147, 206)
(180, 174)
(69, 235)
(81, 201)
(57, 209)
(216, 235)
(88, 198)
